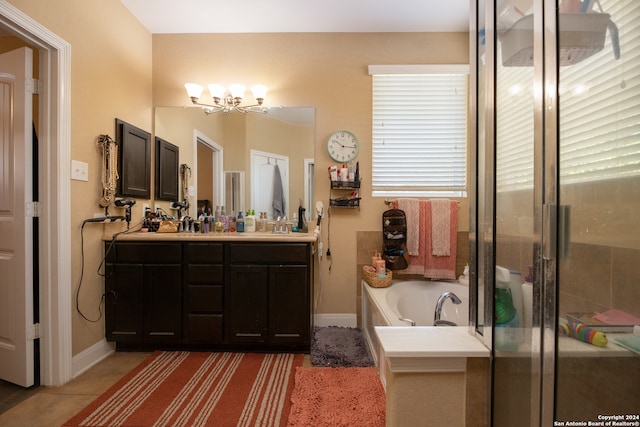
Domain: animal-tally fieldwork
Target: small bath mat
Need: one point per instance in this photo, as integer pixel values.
(335, 346)
(331, 397)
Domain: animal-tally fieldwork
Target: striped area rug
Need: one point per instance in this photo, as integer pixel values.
(198, 389)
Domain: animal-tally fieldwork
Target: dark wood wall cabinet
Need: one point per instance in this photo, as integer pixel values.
(248, 296)
(167, 159)
(134, 160)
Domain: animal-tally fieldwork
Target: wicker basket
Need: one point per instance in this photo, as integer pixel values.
(375, 282)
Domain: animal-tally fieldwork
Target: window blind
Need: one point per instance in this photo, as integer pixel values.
(600, 106)
(599, 112)
(419, 133)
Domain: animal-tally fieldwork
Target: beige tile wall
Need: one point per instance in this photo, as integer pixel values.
(592, 277)
(368, 242)
(598, 278)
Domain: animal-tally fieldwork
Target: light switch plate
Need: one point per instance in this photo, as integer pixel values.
(79, 170)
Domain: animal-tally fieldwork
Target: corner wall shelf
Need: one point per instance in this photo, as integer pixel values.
(351, 201)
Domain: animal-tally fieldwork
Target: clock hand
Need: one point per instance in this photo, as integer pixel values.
(342, 145)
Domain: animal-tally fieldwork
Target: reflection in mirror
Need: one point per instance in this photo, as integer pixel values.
(234, 191)
(208, 173)
(286, 132)
(166, 169)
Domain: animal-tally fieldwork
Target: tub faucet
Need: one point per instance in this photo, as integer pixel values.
(441, 300)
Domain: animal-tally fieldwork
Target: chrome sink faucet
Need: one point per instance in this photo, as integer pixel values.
(280, 226)
(441, 300)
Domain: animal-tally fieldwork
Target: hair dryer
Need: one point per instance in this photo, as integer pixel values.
(126, 203)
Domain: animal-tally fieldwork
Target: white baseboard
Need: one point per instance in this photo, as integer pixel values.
(347, 320)
(84, 360)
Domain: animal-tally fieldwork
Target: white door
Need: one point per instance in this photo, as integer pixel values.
(263, 166)
(16, 229)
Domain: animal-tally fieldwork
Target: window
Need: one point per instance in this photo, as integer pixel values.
(598, 113)
(419, 130)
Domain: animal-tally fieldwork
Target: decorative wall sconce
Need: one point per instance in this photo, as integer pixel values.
(229, 99)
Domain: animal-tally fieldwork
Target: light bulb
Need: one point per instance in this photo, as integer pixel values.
(194, 90)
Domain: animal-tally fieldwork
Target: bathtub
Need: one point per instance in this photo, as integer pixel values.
(411, 299)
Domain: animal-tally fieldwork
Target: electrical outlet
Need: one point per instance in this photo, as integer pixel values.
(79, 171)
(145, 206)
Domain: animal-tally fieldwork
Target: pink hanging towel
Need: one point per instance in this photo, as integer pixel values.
(411, 208)
(426, 264)
(440, 266)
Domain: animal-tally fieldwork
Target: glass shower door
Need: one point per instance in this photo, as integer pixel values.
(516, 379)
(558, 240)
(599, 199)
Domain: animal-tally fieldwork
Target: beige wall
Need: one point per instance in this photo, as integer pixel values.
(119, 70)
(111, 77)
(325, 71)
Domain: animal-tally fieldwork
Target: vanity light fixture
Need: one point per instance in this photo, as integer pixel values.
(228, 99)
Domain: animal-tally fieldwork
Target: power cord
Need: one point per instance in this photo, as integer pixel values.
(102, 298)
(329, 237)
(92, 220)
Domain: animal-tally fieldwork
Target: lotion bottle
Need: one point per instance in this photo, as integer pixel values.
(250, 222)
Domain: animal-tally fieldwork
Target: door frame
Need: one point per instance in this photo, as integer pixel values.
(217, 166)
(54, 133)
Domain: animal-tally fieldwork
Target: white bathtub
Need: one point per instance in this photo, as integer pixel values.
(414, 300)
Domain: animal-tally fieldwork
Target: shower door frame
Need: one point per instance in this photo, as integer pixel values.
(546, 180)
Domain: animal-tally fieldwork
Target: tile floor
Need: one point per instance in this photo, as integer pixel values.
(52, 406)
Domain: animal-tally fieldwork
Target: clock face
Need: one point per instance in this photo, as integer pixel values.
(343, 146)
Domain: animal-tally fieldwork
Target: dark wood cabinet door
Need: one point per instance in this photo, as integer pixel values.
(134, 160)
(163, 303)
(123, 302)
(167, 158)
(289, 304)
(246, 294)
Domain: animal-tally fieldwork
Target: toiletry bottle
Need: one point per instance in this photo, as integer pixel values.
(240, 223)
(206, 223)
(262, 222)
(507, 333)
(352, 172)
(381, 268)
(250, 222)
(232, 223)
(374, 258)
(356, 176)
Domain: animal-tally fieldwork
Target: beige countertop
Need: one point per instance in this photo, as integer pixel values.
(137, 236)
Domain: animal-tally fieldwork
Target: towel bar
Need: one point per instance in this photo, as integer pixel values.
(388, 202)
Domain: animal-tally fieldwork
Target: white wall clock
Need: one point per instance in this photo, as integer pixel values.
(343, 146)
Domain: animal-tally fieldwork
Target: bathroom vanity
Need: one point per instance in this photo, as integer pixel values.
(248, 292)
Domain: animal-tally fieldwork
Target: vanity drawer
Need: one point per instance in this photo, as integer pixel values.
(145, 253)
(269, 253)
(203, 273)
(202, 253)
(204, 299)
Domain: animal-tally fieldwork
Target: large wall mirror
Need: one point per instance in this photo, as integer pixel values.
(239, 160)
